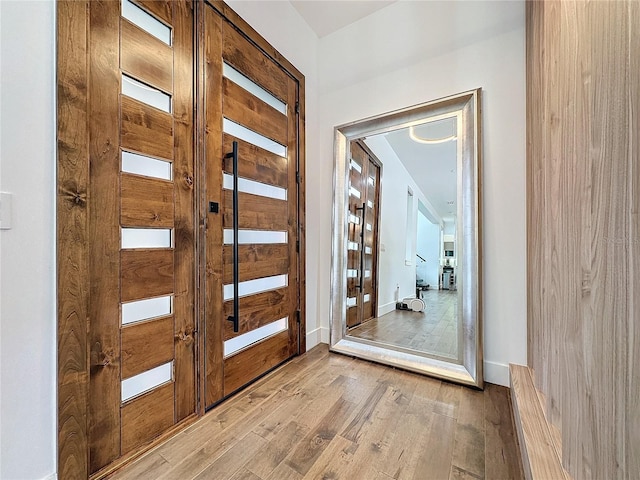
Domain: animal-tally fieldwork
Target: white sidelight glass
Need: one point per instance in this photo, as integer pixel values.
(241, 342)
(352, 273)
(353, 246)
(368, 250)
(369, 204)
(255, 188)
(145, 381)
(367, 273)
(355, 165)
(146, 309)
(354, 219)
(369, 227)
(146, 238)
(366, 298)
(352, 302)
(238, 131)
(251, 287)
(354, 192)
(146, 94)
(147, 166)
(146, 21)
(255, 236)
(253, 88)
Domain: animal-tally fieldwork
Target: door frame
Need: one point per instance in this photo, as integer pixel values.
(72, 221)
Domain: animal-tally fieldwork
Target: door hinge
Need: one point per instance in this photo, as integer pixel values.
(297, 107)
(298, 316)
(297, 246)
(298, 177)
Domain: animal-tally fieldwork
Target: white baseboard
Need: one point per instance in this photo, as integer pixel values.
(386, 308)
(319, 335)
(497, 373)
(51, 476)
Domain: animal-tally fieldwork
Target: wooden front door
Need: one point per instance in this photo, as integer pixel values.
(252, 283)
(362, 266)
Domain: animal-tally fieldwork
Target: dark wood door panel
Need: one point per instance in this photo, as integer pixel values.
(146, 58)
(256, 212)
(146, 273)
(227, 100)
(146, 202)
(238, 52)
(257, 261)
(146, 345)
(252, 362)
(146, 129)
(258, 310)
(244, 108)
(256, 163)
(147, 416)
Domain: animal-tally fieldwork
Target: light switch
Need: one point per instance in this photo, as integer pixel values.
(5, 210)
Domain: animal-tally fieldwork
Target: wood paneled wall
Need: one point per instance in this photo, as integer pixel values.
(583, 87)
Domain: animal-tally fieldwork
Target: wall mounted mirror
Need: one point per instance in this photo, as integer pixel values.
(406, 255)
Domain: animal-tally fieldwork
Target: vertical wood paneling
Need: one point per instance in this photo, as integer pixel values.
(633, 258)
(183, 171)
(582, 85)
(104, 234)
(212, 158)
(73, 249)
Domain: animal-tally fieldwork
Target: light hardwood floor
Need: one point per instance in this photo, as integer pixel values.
(433, 331)
(328, 416)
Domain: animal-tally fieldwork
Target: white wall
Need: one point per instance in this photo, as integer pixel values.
(411, 52)
(428, 247)
(27, 299)
(282, 26)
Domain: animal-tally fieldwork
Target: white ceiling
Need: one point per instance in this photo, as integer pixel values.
(433, 167)
(327, 16)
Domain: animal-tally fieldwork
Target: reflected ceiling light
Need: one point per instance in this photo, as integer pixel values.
(434, 141)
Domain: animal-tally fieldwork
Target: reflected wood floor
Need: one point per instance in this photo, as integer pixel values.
(327, 416)
(433, 331)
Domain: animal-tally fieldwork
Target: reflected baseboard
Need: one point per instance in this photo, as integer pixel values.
(386, 308)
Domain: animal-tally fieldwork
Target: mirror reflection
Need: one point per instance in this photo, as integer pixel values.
(402, 263)
(406, 264)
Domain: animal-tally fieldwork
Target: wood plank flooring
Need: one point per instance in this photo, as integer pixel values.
(433, 331)
(328, 416)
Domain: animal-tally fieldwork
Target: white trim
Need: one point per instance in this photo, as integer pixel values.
(313, 338)
(51, 476)
(497, 373)
(317, 336)
(324, 335)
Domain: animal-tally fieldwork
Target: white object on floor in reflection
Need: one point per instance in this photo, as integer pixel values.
(415, 304)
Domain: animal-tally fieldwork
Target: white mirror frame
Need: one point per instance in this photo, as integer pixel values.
(467, 369)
